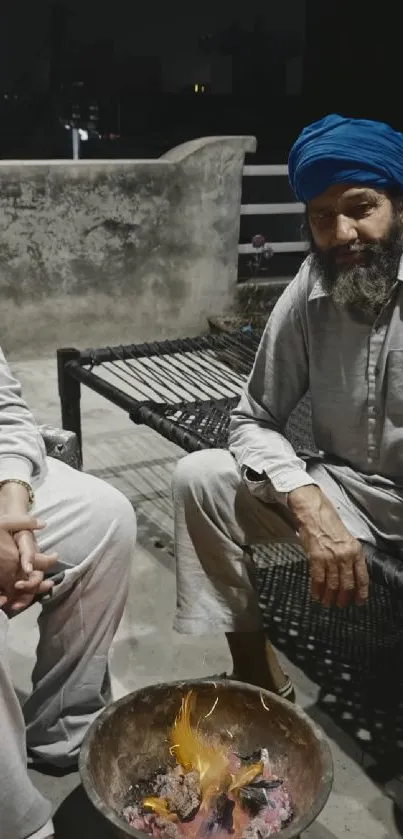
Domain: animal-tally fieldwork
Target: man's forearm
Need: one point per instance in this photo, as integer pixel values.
(22, 451)
(265, 450)
(314, 512)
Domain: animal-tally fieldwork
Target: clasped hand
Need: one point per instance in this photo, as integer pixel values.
(22, 565)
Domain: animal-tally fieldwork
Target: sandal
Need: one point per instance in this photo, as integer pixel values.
(287, 691)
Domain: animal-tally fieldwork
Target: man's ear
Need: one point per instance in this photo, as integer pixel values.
(398, 204)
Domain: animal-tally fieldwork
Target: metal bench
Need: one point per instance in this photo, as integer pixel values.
(62, 445)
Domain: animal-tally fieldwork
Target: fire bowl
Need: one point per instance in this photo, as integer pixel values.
(128, 742)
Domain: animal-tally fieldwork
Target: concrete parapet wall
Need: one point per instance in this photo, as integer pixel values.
(99, 252)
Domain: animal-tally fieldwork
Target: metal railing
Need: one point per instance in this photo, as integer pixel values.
(276, 209)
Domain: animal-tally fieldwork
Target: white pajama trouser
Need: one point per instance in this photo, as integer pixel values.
(92, 527)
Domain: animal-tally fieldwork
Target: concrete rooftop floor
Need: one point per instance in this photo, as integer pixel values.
(146, 650)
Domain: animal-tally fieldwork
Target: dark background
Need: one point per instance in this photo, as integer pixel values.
(127, 72)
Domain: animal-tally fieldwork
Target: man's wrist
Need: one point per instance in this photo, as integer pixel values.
(15, 496)
(304, 501)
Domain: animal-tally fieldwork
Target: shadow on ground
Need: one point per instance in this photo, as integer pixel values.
(76, 817)
(354, 655)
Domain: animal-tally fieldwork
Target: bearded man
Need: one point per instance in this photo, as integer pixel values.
(337, 331)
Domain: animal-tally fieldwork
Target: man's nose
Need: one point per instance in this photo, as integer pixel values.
(344, 230)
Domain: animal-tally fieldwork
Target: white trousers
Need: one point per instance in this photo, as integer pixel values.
(92, 527)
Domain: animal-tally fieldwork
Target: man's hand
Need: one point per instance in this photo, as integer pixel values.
(33, 566)
(10, 565)
(22, 566)
(337, 562)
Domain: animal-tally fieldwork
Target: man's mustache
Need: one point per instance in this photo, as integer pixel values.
(357, 247)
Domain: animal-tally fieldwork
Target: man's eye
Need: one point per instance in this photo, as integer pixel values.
(360, 211)
(322, 218)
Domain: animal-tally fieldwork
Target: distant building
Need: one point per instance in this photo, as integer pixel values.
(90, 66)
(139, 74)
(183, 70)
(254, 61)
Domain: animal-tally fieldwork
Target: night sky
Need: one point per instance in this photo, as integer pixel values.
(152, 28)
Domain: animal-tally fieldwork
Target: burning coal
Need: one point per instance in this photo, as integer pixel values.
(211, 791)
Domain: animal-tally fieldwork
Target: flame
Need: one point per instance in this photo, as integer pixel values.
(245, 775)
(194, 752)
(160, 807)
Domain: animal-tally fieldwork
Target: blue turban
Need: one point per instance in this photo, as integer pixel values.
(338, 150)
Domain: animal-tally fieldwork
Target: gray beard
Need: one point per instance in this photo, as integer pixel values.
(363, 288)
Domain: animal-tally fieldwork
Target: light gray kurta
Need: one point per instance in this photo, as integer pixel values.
(354, 372)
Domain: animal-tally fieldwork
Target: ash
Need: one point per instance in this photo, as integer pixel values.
(150, 823)
(181, 792)
(275, 815)
(264, 806)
